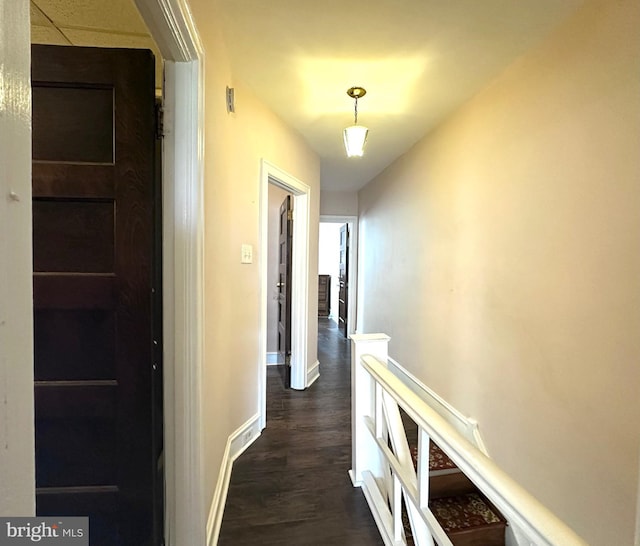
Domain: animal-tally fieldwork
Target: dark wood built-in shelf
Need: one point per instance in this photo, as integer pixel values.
(324, 295)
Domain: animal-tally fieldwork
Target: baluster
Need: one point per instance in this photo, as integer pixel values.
(423, 467)
(398, 528)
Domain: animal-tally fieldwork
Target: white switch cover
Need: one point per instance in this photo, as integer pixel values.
(247, 254)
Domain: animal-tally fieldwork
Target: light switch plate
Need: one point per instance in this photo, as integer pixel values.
(247, 254)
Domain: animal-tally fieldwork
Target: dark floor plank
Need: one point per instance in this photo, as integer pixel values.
(291, 485)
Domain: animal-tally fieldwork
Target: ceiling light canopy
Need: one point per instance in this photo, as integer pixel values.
(356, 135)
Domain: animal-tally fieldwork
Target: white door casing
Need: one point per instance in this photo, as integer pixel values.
(17, 450)
(270, 174)
(172, 27)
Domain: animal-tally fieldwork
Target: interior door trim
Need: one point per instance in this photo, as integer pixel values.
(171, 25)
(17, 435)
(270, 174)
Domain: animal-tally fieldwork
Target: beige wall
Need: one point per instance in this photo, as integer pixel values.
(517, 227)
(339, 203)
(234, 146)
(276, 197)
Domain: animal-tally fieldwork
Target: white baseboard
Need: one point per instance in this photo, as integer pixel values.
(313, 373)
(273, 358)
(240, 440)
(466, 426)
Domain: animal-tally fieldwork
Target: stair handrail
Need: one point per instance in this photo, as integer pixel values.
(521, 508)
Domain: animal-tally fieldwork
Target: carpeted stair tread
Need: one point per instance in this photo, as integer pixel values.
(438, 459)
(464, 512)
(468, 518)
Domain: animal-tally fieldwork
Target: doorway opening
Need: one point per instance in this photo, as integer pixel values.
(337, 257)
(171, 26)
(278, 282)
(274, 176)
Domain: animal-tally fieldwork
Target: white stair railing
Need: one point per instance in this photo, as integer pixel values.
(383, 467)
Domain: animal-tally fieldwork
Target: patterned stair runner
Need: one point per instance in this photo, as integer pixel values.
(438, 459)
(457, 513)
(463, 512)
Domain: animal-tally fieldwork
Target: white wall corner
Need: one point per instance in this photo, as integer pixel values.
(313, 373)
(237, 443)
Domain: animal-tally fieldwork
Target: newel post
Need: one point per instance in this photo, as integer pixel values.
(365, 454)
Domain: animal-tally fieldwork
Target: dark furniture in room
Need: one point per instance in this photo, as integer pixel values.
(324, 295)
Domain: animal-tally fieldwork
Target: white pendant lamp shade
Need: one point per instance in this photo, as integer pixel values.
(354, 139)
(356, 135)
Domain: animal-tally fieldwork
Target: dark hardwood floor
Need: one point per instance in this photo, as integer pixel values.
(291, 486)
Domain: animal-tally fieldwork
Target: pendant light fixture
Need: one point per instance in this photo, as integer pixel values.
(356, 135)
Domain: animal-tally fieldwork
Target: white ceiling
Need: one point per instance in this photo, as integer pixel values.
(418, 59)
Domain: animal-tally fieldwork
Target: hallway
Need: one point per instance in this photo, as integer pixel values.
(291, 486)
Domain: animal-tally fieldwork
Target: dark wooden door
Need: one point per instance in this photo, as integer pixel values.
(285, 243)
(343, 279)
(98, 439)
